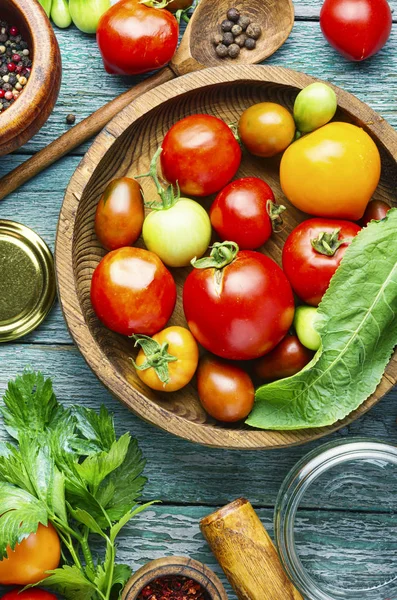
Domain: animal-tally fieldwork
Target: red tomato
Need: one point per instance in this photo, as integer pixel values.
(287, 359)
(241, 310)
(134, 38)
(133, 292)
(201, 153)
(310, 268)
(33, 594)
(241, 212)
(225, 390)
(376, 211)
(358, 29)
(120, 214)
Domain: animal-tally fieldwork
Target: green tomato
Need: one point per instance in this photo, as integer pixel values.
(304, 323)
(314, 107)
(178, 234)
(87, 13)
(60, 13)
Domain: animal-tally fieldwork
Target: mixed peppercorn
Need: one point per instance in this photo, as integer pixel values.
(174, 587)
(238, 32)
(15, 64)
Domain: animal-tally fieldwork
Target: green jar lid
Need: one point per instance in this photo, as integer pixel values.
(27, 280)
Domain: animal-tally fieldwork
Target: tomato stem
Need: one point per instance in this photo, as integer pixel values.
(168, 195)
(328, 243)
(222, 254)
(274, 211)
(157, 357)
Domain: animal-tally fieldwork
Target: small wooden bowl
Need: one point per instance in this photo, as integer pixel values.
(175, 565)
(31, 110)
(125, 148)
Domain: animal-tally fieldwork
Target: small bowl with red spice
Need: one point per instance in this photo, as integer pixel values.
(30, 71)
(174, 578)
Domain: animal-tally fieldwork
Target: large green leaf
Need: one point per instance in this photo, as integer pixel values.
(96, 467)
(358, 329)
(97, 428)
(70, 583)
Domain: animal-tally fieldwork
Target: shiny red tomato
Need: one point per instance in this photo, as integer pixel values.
(120, 214)
(225, 390)
(134, 38)
(201, 153)
(241, 212)
(313, 252)
(33, 594)
(133, 292)
(358, 29)
(240, 309)
(288, 358)
(376, 211)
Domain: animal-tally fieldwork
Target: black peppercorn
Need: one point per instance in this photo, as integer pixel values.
(237, 29)
(233, 14)
(228, 38)
(218, 39)
(234, 50)
(240, 40)
(70, 119)
(244, 21)
(221, 50)
(254, 31)
(226, 25)
(250, 44)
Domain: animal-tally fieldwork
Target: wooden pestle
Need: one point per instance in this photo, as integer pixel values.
(246, 553)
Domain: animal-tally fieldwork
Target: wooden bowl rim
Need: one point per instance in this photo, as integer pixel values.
(31, 103)
(205, 434)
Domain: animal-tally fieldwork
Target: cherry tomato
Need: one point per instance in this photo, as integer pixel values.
(171, 358)
(288, 358)
(375, 211)
(266, 129)
(133, 292)
(313, 252)
(120, 214)
(356, 28)
(201, 153)
(225, 390)
(33, 594)
(241, 212)
(29, 561)
(134, 38)
(241, 308)
(332, 172)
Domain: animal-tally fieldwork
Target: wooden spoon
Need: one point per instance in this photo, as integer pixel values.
(196, 51)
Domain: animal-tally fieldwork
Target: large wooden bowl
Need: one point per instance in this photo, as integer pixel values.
(125, 148)
(28, 114)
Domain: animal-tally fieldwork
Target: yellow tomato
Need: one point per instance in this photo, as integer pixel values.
(175, 343)
(266, 129)
(331, 172)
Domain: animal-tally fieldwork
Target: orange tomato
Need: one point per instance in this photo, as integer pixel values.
(266, 129)
(331, 172)
(29, 561)
(180, 344)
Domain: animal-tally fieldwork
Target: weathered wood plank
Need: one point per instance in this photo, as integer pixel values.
(178, 471)
(310, 9)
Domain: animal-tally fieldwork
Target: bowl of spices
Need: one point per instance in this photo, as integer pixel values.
(174, 578)
(30, 71)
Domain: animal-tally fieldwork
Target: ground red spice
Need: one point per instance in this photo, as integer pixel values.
(173, 587)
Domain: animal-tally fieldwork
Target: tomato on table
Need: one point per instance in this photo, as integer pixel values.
(244, 212)
(32, 594)
(238, 305)
(266, 129)
(312, 253)
(375, 211)
(225, 390)
(201, 154)
(288, 358)
(133, 292)
(167, 361)
(358, 29)
(120, 214)
(29, 561)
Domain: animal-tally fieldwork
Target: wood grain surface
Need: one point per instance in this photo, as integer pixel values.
(193, 481)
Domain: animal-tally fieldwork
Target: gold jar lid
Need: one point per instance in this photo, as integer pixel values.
(27, 280)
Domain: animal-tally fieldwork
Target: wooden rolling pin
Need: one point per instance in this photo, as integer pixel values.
(246, 553)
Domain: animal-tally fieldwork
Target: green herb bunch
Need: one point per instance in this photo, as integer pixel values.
(65, 466)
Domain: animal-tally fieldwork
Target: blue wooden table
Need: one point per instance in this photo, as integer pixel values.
(191, 481)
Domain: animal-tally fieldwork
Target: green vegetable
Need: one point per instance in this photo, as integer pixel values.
(60, 13)
(314, 107)
(87, 13)
(67, 467)
(358, 328)
(46, 4)
(304, 323)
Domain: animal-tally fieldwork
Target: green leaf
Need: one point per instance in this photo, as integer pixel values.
(12, 468)
(96, 428)
(358, 328)
(96, 467)
(21, 515)
(70, 583)
(82, 516)
(115, 530)
(121, 575)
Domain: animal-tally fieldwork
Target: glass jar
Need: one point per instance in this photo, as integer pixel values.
(347, 548)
